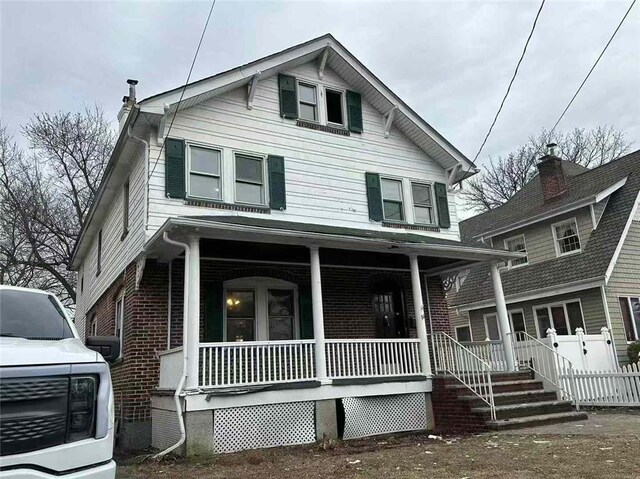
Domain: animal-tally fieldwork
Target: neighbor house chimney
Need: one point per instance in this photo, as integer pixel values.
(127, 103)
(552, 177)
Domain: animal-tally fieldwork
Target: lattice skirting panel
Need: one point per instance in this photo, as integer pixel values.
(269, 425)
(165, 428)
(368, 416)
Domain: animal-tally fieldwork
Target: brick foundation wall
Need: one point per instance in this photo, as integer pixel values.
(451, 414)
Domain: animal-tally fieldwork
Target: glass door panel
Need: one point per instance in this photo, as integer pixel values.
(559, 320)
(281, 314)
(241, 315)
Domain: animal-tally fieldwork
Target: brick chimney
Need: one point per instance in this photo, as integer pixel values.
(552, 176)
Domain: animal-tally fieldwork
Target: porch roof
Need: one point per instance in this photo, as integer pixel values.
(244, 228)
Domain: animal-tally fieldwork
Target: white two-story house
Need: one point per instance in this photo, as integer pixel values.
(266, 244)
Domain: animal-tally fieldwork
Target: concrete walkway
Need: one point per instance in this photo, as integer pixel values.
(610, 422)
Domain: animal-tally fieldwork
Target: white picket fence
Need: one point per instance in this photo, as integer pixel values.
(619, 387)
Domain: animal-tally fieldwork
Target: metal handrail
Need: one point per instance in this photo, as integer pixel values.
(453, 358)
(546, 362)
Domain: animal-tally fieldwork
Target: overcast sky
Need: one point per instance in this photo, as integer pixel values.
(450, 61)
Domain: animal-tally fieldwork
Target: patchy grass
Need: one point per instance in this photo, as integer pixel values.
(414, 456)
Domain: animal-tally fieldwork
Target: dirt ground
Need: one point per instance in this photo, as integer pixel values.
(568, 451)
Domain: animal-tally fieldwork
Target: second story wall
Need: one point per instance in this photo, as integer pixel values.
(325, 172)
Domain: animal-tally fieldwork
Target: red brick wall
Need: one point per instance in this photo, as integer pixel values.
(451, 414)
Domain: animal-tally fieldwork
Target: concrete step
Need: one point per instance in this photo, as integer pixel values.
(529, 421)
(540, 408)
(515, 397)
(506, 386)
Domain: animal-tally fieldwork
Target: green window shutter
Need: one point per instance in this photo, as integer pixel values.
(354, 111)
(442, 203)
(306, 312)
(277, 189)
(174, 168)
(213, 314)
(374, 196)
(288, 96)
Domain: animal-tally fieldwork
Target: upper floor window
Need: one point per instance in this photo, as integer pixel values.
(563, 317)
(119, 318)
(308, 102)
(205, 180)
(99, 260)
(125, 209)
(518, 245)
(423, 203)
(566, 237)
(631, 317)
(334, 107)
(250, 179)
(392, 203)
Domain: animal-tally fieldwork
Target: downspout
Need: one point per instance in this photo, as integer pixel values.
(185, 325)
(147, 149)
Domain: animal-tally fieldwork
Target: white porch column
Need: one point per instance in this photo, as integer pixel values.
(503, 317)
(421, 327)
(192, 342)
(318, 317)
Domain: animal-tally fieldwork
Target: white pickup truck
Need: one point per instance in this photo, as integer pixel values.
(56, 401)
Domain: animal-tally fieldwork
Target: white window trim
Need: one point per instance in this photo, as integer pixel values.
(431, 186)
(318, 88)
(524, 241)
(204, 146)
(548, 306)
(265, 184)
(343, 105)
(555, 237)
(486, 326)
(120, 301)
(260, 285)
(510, 313)
(402, 192)
(633, 322)
(524, 318)
(468, 325)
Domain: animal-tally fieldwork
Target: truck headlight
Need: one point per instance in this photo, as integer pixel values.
(82, 408)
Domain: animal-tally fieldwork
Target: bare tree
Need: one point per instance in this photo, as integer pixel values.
(504, 176)
(46, 193)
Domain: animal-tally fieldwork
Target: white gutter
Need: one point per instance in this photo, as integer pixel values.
(185, 326)
(145, 215)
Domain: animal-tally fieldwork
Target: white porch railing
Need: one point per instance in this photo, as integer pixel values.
(256, 362)
(491, 352)
(362, 358)
(453, 358)
(170, 368)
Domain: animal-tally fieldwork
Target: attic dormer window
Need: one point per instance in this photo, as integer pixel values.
(517, 245)
(308, 102)
(566, 237)
(334, 107)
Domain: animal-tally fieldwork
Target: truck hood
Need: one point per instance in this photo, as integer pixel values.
(27, 352)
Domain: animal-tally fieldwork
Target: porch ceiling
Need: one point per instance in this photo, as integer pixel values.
(266, 234)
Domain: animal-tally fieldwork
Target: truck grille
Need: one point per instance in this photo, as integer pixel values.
(33, 413)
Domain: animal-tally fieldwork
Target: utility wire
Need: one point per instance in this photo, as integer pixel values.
(184, 88)
(594, 66)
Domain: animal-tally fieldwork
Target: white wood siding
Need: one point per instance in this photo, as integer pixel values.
(324, 172)
(116, 253)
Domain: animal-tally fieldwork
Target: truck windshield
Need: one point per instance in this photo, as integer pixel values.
(30, 315)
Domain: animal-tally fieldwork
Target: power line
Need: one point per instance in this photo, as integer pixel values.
(184, 88)
(515, 73)
(594, 66)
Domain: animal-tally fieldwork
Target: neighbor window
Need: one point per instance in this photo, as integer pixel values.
(517, 245)
(334, 107)
(563, 317)
(125, 209)
(249, 179)
(308, 102)
(631, 317)
(422, 203)
(241, 315)
(566, 237)
(93, 327)
(119, 319)
(392, 199)
(204, 173)
(517, 321)
(99, 260)
(463, 334)
(491, 327)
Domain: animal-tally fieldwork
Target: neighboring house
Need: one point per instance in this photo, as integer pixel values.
(312, 211)
(580, 230)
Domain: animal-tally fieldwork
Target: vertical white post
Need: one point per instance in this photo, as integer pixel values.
(318, 317)
(503, 317)
(421, 327)
(192, 342)
(611, 351)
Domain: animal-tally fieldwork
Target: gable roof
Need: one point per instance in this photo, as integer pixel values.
(344, 64)
(597, 253)
(527, 206)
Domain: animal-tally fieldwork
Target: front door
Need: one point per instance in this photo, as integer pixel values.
(388, 309)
